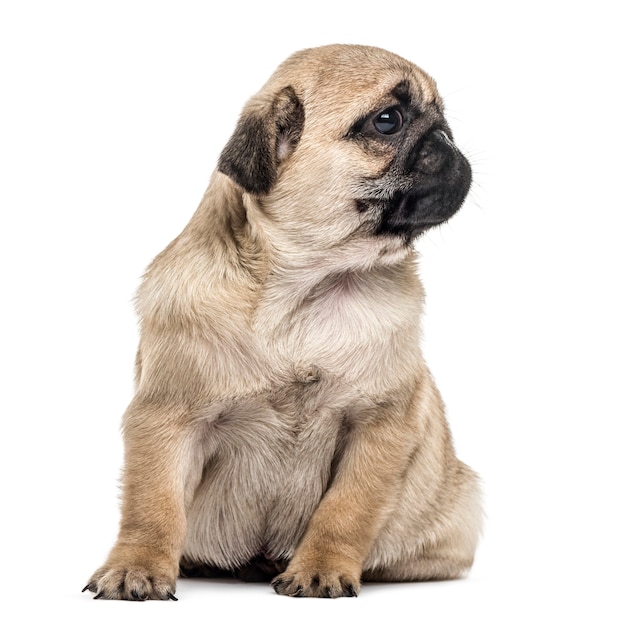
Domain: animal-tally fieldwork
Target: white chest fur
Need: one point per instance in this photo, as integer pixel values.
(356, 327)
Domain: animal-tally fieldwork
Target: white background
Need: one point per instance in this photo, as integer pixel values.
(112, 116)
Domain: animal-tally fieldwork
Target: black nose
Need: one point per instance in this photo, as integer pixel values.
(432, 154)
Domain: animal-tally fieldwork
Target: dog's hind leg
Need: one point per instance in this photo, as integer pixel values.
(442, 548)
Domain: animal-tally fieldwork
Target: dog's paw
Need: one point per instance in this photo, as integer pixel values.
(312, 583)
(134, 583)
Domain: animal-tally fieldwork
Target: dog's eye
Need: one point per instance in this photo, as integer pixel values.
(389, 121)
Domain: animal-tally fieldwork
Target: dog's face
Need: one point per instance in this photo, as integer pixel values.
(347, 144)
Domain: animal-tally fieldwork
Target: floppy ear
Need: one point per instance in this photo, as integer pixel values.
(264, 137)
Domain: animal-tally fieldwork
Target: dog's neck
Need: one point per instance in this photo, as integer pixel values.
(342, 275)
(280, 267)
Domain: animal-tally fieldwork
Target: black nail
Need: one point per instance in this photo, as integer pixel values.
(171, 596)
(278, 585)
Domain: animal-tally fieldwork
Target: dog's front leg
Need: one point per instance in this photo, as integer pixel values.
(159, 469)
(329, 559)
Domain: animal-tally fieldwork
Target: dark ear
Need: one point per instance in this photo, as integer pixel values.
(262, 139)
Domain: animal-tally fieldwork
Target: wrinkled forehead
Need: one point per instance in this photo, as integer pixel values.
(360, 92)
(356, 81)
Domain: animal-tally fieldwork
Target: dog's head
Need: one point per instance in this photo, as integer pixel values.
(350, 139)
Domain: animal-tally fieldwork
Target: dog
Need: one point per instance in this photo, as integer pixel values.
(285, 426)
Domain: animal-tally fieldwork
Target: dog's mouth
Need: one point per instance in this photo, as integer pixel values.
(413, 213)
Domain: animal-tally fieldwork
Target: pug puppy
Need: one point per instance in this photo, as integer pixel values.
(285, 424)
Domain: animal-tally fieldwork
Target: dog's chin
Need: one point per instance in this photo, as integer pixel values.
(365, 251)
